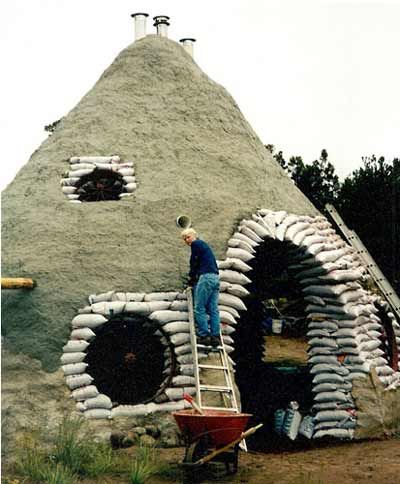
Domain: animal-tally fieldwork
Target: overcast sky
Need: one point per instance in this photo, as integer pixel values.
(307, 74)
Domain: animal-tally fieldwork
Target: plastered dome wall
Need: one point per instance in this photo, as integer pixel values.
(193, 153)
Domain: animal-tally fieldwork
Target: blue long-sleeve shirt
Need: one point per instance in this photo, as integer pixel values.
(202, 260)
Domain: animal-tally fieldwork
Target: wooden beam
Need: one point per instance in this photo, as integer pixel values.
(17, 283)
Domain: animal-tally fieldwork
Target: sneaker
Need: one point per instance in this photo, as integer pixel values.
(203, 340)
(215, 341)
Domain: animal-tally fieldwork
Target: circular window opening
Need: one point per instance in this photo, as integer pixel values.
(126, 360)
(100, 185)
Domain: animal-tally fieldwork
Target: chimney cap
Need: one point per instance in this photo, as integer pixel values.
(139, 13)
(187, 38)
(161, 19)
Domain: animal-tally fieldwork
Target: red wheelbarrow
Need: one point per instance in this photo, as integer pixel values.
(213, 437)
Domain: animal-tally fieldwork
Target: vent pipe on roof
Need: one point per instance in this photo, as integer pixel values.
(161, 22)
(140, 24)
(187, 44)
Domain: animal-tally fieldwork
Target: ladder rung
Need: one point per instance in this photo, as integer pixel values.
(214, 388)
(213, 367)
(235, 410)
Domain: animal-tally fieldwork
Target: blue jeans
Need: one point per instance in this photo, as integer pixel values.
(206, 294)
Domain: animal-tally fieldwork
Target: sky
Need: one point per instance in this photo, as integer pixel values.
(307, 74)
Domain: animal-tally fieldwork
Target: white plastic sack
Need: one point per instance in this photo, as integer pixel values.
(241, 254)
(99, 401)
(97, 413)
(76, 381)
(233, 301)
(75, 345)
(177, 327)
(145, 308)
(108, 308)
(85, 392)
(180, 338)
(82, 333)
(74, 368)
(234, 277)
(88, 320)
(166, 316)
(75, 357)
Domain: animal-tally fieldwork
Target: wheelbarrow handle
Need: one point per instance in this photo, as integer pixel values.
(227, 446)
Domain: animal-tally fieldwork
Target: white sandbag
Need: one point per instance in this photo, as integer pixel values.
(328, 415)
(125, 171)
(267, 222)
(327, 367)
(234, 264)
(82, 166)
(327, 359)
(240, 244)
(353, 375)
(329, 325)
(342, 276)
(241, 254)
(321, 291)
(69, 182)
(82, 333)
(250, 234)
(73, 197)
(330, 256)
(177, 393)
(93, 159)
(281, 229)
(75, 357)
(291, 423)
(183, 349)
(384, 370)
(256, 227)
(237, 290)
(313, 239)
(315, 300)
(337, 433)
(315, 249)
(85, 392)
(124, 195)
(188, 358)
(318, 333)
(325, 387)
(229, 349)
(88, 320)
(187, 370)
(146, 308)
(130, 187)
(177, 327)
(370, 345)
(300, 236)
(279, 216)
(75, 345)
(248, 240)
(80, 406)
(179, 306)
(68, 190)
(180, 338)
(326, 342)
(129, 179)
(328, 378)
(76, 381)
(74, 368)
(167, 316)
(97, 413)
(104, 296)
(230, 300)
(227, 317)
(234, 277)
(99, 401)
(296, 228)
(229, 310)
(108, 308)
(80, 173)
(228, 341)
(227, 329)
(161, 296)
(129, 411)
(332, 397)
(183, 381)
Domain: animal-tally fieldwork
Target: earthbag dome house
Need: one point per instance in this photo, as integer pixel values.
(91, 218)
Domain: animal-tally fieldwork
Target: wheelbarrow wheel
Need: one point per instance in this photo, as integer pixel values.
(220, 466)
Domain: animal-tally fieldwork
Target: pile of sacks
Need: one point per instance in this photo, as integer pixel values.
(84, 165)
(169, 312)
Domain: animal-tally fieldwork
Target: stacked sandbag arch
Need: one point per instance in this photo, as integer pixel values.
(344, 332)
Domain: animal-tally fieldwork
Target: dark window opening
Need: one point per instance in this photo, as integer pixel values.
(272, 368)
(126, 360)
(100, 185)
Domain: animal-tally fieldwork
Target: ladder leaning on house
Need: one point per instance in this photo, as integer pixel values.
(226, 390)
(376, 274)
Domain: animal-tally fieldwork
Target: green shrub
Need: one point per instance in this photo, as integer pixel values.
(144, 465)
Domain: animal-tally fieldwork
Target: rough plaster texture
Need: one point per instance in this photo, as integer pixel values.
(194, 153)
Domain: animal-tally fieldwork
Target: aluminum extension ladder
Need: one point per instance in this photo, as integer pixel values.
(227, 389)
(376, 274)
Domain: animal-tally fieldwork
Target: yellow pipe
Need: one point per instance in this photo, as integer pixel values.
(17, 283)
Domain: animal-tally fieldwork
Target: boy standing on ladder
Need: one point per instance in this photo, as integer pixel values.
(203, 276)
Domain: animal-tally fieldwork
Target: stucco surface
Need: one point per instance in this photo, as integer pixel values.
(194, 153)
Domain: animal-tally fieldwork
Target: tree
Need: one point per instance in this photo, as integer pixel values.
(369, 202)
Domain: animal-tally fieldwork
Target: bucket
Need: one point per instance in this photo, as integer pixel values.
(277, 326)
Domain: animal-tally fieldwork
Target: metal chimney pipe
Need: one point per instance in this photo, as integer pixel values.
(187, 44)
(140, 24)
(161, 22)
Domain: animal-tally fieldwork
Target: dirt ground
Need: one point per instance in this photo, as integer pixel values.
(369, 462)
